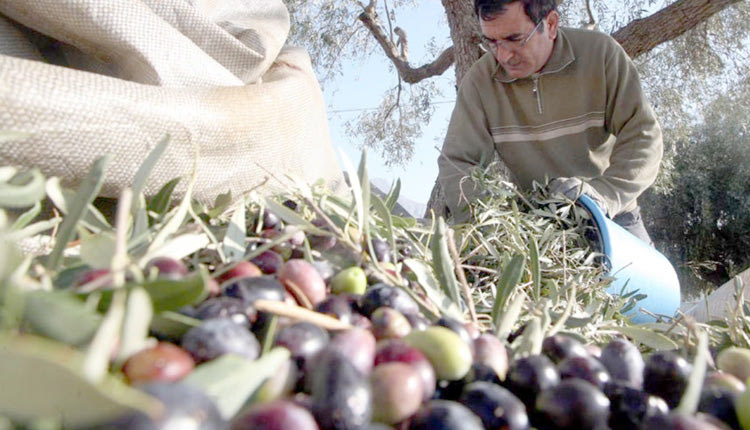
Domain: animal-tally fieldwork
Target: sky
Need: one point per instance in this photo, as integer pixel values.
(362, 86)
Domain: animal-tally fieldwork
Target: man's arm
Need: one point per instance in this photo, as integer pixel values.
(467, 144)
(637, 153)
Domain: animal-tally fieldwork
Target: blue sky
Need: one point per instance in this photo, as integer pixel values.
(362, 85)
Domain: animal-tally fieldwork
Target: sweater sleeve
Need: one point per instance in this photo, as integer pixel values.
(637, 153)
(468, 144)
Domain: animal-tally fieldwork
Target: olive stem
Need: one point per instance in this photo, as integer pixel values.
(300, 314)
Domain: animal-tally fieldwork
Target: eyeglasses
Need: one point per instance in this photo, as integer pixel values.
(511, 43)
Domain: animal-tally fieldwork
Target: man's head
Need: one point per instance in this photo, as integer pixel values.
(519, 33)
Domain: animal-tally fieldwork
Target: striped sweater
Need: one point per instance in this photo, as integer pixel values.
(584, 114)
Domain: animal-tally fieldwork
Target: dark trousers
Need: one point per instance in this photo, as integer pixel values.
(632, 222)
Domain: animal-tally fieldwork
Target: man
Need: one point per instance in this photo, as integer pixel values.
(553, 103)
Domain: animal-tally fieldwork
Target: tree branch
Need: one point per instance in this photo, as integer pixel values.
(408, 73)
(640, 36)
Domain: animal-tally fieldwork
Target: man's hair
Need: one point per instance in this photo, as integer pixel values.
(536, 10)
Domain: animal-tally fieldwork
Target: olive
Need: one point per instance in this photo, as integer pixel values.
(276, 415)
(457, 326)
(389, 323)
(91, 275)
(397, 392)
(490, 350)
(558, 347)
(341, 306)
(240, 269)
(631, 407)
(269, 261)
(451, 390)
(163, 362)
(229, 307)
(250, 289)
(386, 295)
(528, 376)
(497, 407)
(219, 336)
(446, 351)
(291, 204)
(397, 350)
(584, 367)
(666, 375)
(358, 345)
(167, 268)
(725, 381)
(300, 276)
(417, 321)
(270, 219)
(678, 421)
(445, 415)
(572, 404)
(341, 397)
(734, 360)
(719, 403)
(303, 340)
(382, 249)
(350, 280)
(322, 242)
(325, 268)
(624, 362)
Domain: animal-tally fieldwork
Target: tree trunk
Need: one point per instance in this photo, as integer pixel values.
(637, 37)
(464, 29)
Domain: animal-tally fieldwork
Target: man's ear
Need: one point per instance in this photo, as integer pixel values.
(553, 20)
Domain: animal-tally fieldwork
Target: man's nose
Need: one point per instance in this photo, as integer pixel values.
(503, 54)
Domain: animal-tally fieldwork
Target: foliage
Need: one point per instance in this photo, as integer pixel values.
(704, 219)
(400, 117)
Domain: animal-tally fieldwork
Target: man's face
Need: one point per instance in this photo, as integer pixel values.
(521, 49)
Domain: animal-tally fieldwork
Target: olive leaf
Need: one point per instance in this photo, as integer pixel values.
(86, 193)
(442, 263)
(231, 380)
(234, 239)
(60, 315)
(648, 337)
(162, 200)
(42, 379)
(511, 276)
(22, 190)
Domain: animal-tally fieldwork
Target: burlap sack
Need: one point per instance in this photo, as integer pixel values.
(209, 74)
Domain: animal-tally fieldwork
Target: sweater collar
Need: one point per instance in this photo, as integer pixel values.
(562, 56)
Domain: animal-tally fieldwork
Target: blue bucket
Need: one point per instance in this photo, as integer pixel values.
(635, 265)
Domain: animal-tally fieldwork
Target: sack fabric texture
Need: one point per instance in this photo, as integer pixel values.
(83, 78)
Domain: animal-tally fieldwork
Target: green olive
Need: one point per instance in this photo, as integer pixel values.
(447, 352)
(350, 280)
(735, 361)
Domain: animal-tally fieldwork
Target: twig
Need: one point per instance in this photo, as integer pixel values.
(461, 275)
(300, 314)
(298, 294)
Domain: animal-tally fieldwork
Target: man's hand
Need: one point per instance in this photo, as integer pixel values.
(573, 187)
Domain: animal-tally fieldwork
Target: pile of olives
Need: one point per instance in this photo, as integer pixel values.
(392, 368)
